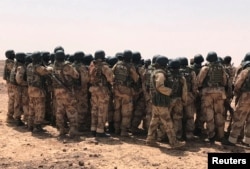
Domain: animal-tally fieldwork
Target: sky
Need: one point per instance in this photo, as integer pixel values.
(173, 28)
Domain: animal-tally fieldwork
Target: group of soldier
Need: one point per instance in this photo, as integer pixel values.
(167, 99)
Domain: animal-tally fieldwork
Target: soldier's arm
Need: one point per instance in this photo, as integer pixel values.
(108, 74)
(70, 71)
(43, 71)
(194, 82)
(20, 76)
(201, 76)
(160, 86)
(134, 74)
(240, 80)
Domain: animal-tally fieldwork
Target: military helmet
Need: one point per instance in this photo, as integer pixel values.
(247, 57)
(127, 55)
(161, 61)
(212, 57)
(174, 64)
(198, 59)
(88, 59)
(147, 62)
(20, 57)
(119, 55)
(246, 64)
(112, 61)
(227, 59)
(136, 57)
(36, 57)
(28, 58)
(154, 58)
(45, 56)
(99, 55)
(10, 54)
(183, 61)
(58, 48)
(59, 55)
(78, 56)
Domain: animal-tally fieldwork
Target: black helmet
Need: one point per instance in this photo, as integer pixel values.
(60, 56)
(127, 55)
(246, 64)
(36, 57)
(119, 55)
(58, 48)
(154, 58)
(247, 57)
(174, 64)
(10, 54)
(45, 56)
(227, 59)
(88, 59)
(183, 61)
(71, 58)
(28, 58)
(198, 59)
(136, 57)
(161, 61)
(100, 55)
(20, 57)
(78, 56)
(112, 61)
(147, 62)
(212, 57)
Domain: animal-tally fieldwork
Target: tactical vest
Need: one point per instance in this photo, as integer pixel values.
(13, 74)
(187, 73)
(147, 77)
(122, 75)
(246, 85)
(214, 77)
(58, 72)
(77, 66)
(6, 74)
(158, 99)
(174, 82)
(98, 78)
(33, 78)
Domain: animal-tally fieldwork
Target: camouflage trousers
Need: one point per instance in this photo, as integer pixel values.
(11, 99)
(176, 110)
(148, 110)
(139, 111)
(99, 108)
(188, 116)
(200, 117)
(241, 119)
(21, 104)
(213, 108)
(65, 107)
(161, 115)
(82, 108)
(36, 111)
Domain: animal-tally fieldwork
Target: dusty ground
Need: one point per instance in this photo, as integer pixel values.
(22, 149)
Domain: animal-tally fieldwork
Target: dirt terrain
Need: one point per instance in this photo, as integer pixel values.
(21, 149)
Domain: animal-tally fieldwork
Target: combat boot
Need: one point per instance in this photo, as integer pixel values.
(73, 132)
(10, 119)
(19, 122)
(38, 129)
(177, 144)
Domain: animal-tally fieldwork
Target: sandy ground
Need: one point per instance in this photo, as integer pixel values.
(22, 149)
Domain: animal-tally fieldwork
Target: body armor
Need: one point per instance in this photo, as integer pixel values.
(58, 72)
(173, 82)
(214, 76)
(246, 84)
(122, 75)
(147, 77)
(33, 78)
(13, 74)
(98, 78)
(196, 68)
(6, 74)
(158, 99)
(186, 72)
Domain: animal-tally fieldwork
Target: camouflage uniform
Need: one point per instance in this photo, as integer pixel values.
(101, 77)
(63, 75)
(125, 74)
(81, 94)
(36, 81)
(241, 117)
(9, 63)
(160, 108)
(212, 79)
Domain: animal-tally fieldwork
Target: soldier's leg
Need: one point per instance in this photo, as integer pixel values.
(246, 138)
(117, 114)
(126, 112)
(25, 104)
(17, 106)
(11, 101)
(103, 101)
(153, 127)
(94, 112)
(39, 114)
(60, 113)
(219, 118)
(177, 115)
(189, 117)
(32, 110)
(147, 118)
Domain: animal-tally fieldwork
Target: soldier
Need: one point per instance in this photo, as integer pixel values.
(18, 107)
(9, 63)
(189, 106)
(241, 117)
(21, 79)
(62, 77)
(125, 75)
(36, 73)
(138, 97)
(101, 80)
(160, 104)
(81, 90)
(212, 80)
(178, 95)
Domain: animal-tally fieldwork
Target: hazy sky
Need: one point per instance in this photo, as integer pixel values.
(169, 27)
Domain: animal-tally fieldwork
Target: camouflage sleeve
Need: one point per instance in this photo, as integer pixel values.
(70, 71)
(42, 71)
(134, 74)
(201, 76)
(108, 74)
(20, 76)
(159, 84)
(240, 80)
(194, 83)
